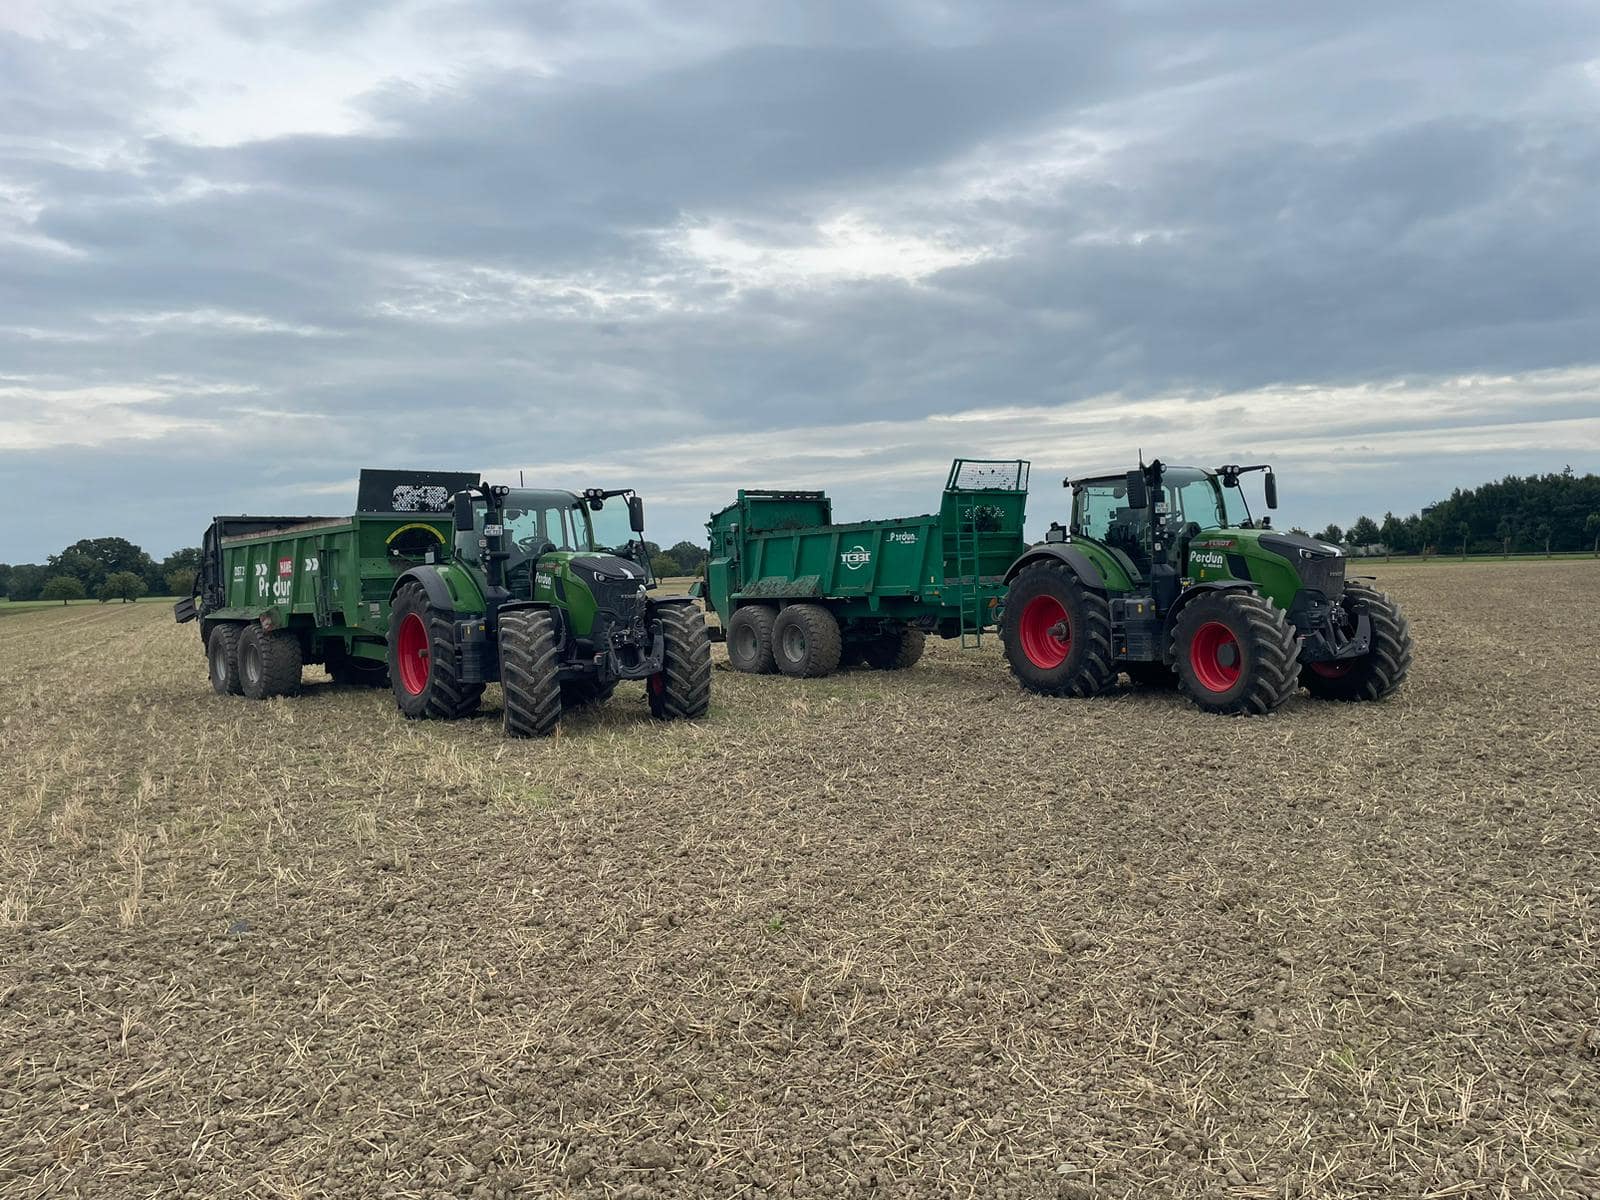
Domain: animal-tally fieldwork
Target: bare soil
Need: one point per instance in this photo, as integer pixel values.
(873, 935)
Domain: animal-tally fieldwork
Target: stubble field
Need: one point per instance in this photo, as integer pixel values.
(874, 935)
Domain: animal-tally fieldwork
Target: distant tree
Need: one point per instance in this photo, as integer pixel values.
(1543, 533)
(1503, 531)
(1332, 534)
(27, 581)
(1364, 532)
(91, 560)
(180, 581)
(1392, 533)
(62, 588)
(664, 566)
(1592, 526)
(160, 575)
(5, 579)
(123, 585)
(689, 556)
(1297, 529)
(1463, 531)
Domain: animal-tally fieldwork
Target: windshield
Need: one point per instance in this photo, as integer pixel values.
(539, 522)
(1196, 497)
(612, 529)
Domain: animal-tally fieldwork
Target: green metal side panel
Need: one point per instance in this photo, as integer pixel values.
(333, 575)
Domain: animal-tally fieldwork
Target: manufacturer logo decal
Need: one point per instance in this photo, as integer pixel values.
(285, 566)
(856, 557)
(903, 538)
(1207, 559)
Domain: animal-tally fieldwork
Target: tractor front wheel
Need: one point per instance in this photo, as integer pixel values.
(1377, 672)
(422, 659)
(269, 663)
(1236, 653)
(530, 672)
(681, 690)
(806, 641)
(750, 639)
(1057, 633)
(222, 654)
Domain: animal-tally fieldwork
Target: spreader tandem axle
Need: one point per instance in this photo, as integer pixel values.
(440, 585)
(1164, 575)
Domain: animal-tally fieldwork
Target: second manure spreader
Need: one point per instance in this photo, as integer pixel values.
(1163, 574)
(799, 594)
(441, 584)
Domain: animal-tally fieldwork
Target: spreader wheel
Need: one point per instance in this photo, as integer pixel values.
(222, 653)
(1382, 668)
(897, 650)
(269, 663)
(1057, 633)
(1236, 653)
(806, 641)
(422, 659)
(750, 639)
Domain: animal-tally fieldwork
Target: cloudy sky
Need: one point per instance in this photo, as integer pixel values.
(248, 248)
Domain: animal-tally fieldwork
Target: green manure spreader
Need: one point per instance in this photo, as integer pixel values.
(796, 593)
(441, 584)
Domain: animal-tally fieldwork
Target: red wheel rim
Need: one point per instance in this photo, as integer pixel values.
(1045, 632)
(1214, 655)
(411, 653)
(1331, 670)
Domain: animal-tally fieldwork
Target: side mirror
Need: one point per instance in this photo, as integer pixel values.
(463, 512)
(636, 514)
(1272, 490)
(1138, 495)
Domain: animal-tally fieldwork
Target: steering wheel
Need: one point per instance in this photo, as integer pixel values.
(536, 547)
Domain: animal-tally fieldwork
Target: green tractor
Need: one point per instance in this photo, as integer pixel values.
(1163, 574)
(548, 592)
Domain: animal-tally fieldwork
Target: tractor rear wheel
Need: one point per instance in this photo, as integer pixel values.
(576, 693)
(530, 672)
(1236, 653)
(422, 659)
(1377, 672)
(1057, 633)
(806, 642)
(750, 639)
(222, 654)
(894, 651)
(269, 663)
(681, 690)
(1151, 675)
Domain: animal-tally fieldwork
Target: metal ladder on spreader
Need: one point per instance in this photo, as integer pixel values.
(969, 562)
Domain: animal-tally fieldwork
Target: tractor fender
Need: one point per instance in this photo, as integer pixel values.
(657, 601)
(1198, 589)
(1082, 565)
(432, 582)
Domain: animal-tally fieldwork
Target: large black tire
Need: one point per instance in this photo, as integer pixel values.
(1057, 632)
(530, 672)
(222, 659)
(1151, 675)
(577, 693)
(269, 663)
(750, 639)
(894, 651)
(1382, 668)
(1235, 653)
(422, 659)
(681, 690)
(806, 642)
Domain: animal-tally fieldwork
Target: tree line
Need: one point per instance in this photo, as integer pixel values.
(1548, 514)
(104, 569)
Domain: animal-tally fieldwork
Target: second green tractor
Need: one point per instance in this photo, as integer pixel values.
(1163, 574)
